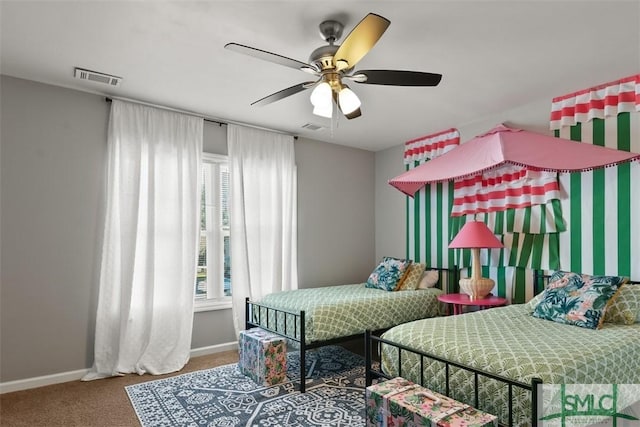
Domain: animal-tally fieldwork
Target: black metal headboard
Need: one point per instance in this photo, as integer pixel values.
(540, 280)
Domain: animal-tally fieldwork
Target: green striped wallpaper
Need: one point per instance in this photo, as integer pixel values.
(601, 213)
(603, 206)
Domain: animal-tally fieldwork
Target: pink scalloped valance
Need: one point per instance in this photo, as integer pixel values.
(503, 145)
(599, 102)
(430, 146)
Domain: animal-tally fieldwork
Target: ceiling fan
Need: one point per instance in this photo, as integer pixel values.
(332, 64)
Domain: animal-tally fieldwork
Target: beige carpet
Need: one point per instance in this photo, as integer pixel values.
(100, 403)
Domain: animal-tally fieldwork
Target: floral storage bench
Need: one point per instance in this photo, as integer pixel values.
(402, 403)
(263, 356)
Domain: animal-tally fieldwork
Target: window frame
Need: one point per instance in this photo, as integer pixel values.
(215, 298)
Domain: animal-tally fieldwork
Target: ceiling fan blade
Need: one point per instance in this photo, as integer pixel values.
(360, 41)
(283, 94)
(268, 56)
(396, 78)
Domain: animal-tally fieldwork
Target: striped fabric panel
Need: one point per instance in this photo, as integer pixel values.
(430, 146)
(428, 225)
(530, 236)
(502, 188)
(607, 100)
(603, 207)
(601, 212)
(430, 229)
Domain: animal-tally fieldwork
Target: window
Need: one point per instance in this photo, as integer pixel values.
(213, 280)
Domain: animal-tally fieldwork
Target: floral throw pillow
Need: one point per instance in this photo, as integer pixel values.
(533, 302)
(388, 273)
(578, 300)
(557, 275)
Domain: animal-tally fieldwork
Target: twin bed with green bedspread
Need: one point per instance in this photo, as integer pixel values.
(346, 310)
(511, 343)
(316, 317)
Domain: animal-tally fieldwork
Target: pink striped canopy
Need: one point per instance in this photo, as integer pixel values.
(503, 146)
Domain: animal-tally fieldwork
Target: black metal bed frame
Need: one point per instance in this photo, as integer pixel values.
(298, 317)
(539, 283)
(371, 373)
(373, 340)
(253, 318)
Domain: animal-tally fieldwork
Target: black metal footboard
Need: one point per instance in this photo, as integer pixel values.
(253, 318)
(373, 341)
(292, 327)
(291, 324)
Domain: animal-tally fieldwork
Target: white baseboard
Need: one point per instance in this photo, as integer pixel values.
(211, 349)
(27, 383)
(63, 377)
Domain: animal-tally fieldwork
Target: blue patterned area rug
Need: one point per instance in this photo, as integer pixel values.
(223, 397)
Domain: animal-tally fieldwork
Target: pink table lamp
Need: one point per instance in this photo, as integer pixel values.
(475, 235)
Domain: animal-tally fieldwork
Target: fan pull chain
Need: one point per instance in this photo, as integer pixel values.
(333, 115)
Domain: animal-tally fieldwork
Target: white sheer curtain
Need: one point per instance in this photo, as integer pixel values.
(145, 306)
(263, 215)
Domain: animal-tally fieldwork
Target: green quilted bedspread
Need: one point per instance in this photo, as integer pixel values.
(509, 342)
(343, 310)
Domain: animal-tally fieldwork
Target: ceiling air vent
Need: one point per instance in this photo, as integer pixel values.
(311, 126)
(95, 76)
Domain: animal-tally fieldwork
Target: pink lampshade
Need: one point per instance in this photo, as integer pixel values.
(475, 234)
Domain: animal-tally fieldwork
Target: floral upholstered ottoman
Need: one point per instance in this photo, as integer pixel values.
(263, 356)
(402, 403)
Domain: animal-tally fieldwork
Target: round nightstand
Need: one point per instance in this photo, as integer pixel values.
(460, 300)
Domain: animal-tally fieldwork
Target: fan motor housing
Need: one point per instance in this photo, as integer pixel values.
(322, 57)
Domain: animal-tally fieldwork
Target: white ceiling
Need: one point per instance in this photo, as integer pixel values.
(494, 56)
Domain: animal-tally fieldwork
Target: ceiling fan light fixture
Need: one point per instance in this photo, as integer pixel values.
(321, 96)
(323, 110)
(349, 101)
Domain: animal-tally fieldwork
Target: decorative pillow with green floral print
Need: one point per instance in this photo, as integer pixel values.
(388, 273)
(533, 302)
(578, 300)
(557, 275)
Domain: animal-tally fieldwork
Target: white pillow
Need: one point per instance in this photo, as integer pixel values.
(429, 279)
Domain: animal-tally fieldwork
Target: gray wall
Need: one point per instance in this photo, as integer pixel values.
(390, 205)
(53, 152)
(53, 157)
(336, 218)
